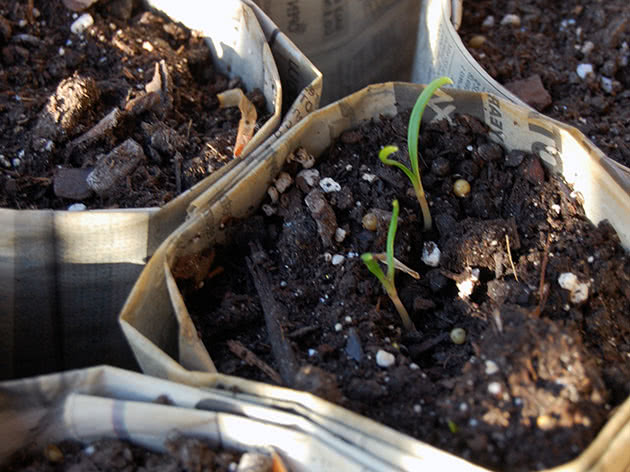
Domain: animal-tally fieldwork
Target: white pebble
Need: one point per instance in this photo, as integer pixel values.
(488, 22)
(82, 23)
(16, 162)
(337, 259)
(590, 259)
(607, 84)
(511, 19)
(583, 70)
(466, 286)
(329, 185)
(463, 406)
(340, 234)
(431, 254)
(578, 290)
(349, 167)
(385, 359)
(348, 319)
(311, 352)
(494, 388)
(417, 408)
(470, 148)
(338, 327)
(414, 366)
(273, 194)
(77, 207)
(369, 178)
(61, 51)
(310, 176)
(327, 257)
(491, 367)
(587, 47)
(283, 182)
(304, 157)
(147, 46)
(555, 207)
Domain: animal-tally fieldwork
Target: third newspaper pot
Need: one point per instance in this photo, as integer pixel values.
(507, 292)
(65, 274)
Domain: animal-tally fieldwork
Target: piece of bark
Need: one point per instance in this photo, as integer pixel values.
(275, 317)
(115, 166)
(72, 183)
(323, 214)
(238, 349)
(78, 5)
(64, 110)
(101, 129)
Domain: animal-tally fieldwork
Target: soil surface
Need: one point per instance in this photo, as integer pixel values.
(541, 367)
(124, 114)
(184, 455)
(554, 41)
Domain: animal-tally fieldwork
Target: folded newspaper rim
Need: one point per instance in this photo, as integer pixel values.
(155, 304)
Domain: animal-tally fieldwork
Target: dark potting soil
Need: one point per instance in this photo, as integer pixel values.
(551, 40)
(183, 455)
(56, 86)
(542, 367)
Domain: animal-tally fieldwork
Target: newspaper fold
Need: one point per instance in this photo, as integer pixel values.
(65, 275)
(151, 314)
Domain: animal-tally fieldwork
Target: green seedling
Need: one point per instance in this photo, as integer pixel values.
(388, 279)
(413, 132)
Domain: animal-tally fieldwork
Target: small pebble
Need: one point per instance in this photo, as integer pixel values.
(77, 207)
(607, 84)
(511, 19)
(370, 221)
(338, 327)
(417, 408)
(488, 22)
(369, 178)
(340, 235)
(385, 359)
(329, 185)
(414, 366)
(494, 388)
(491, 367)
(477, 41)
(147, 46)
(283, 182)
(348, 319)
(431, 254)
(337, 259)
(458, 336)
(312, 352)
(461, 188)
(583, 70)
(81, 24)
(587, 47)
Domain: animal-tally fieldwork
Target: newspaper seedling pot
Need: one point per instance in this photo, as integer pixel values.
(105, 402)
(65, 274)
(155, 317)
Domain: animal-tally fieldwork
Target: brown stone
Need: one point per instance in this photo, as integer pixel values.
(532, 91)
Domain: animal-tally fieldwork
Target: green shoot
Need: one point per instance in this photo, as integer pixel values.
(413, 132)
(387, 280)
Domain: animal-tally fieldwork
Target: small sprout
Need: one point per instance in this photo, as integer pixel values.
(458, 335)
(388, 280)
(461, 188)
(413, 132)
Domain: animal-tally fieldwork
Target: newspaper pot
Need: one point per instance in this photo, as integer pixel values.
(155, 318)
(105, 402)
(73, 270)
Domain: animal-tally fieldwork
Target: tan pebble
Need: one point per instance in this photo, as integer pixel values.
(53, 453)
(461, 188)
(477, 41)
(370, 221)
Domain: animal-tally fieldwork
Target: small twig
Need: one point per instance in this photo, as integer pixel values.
(382, 257)
(238, 349)
(542, 293)
(178, 172)
(275, 316)
(29, 11)
(507, 243)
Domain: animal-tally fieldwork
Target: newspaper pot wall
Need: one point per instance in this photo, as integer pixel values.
(350, 41)
(155, 318)
(105, 402)
(65, 274)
